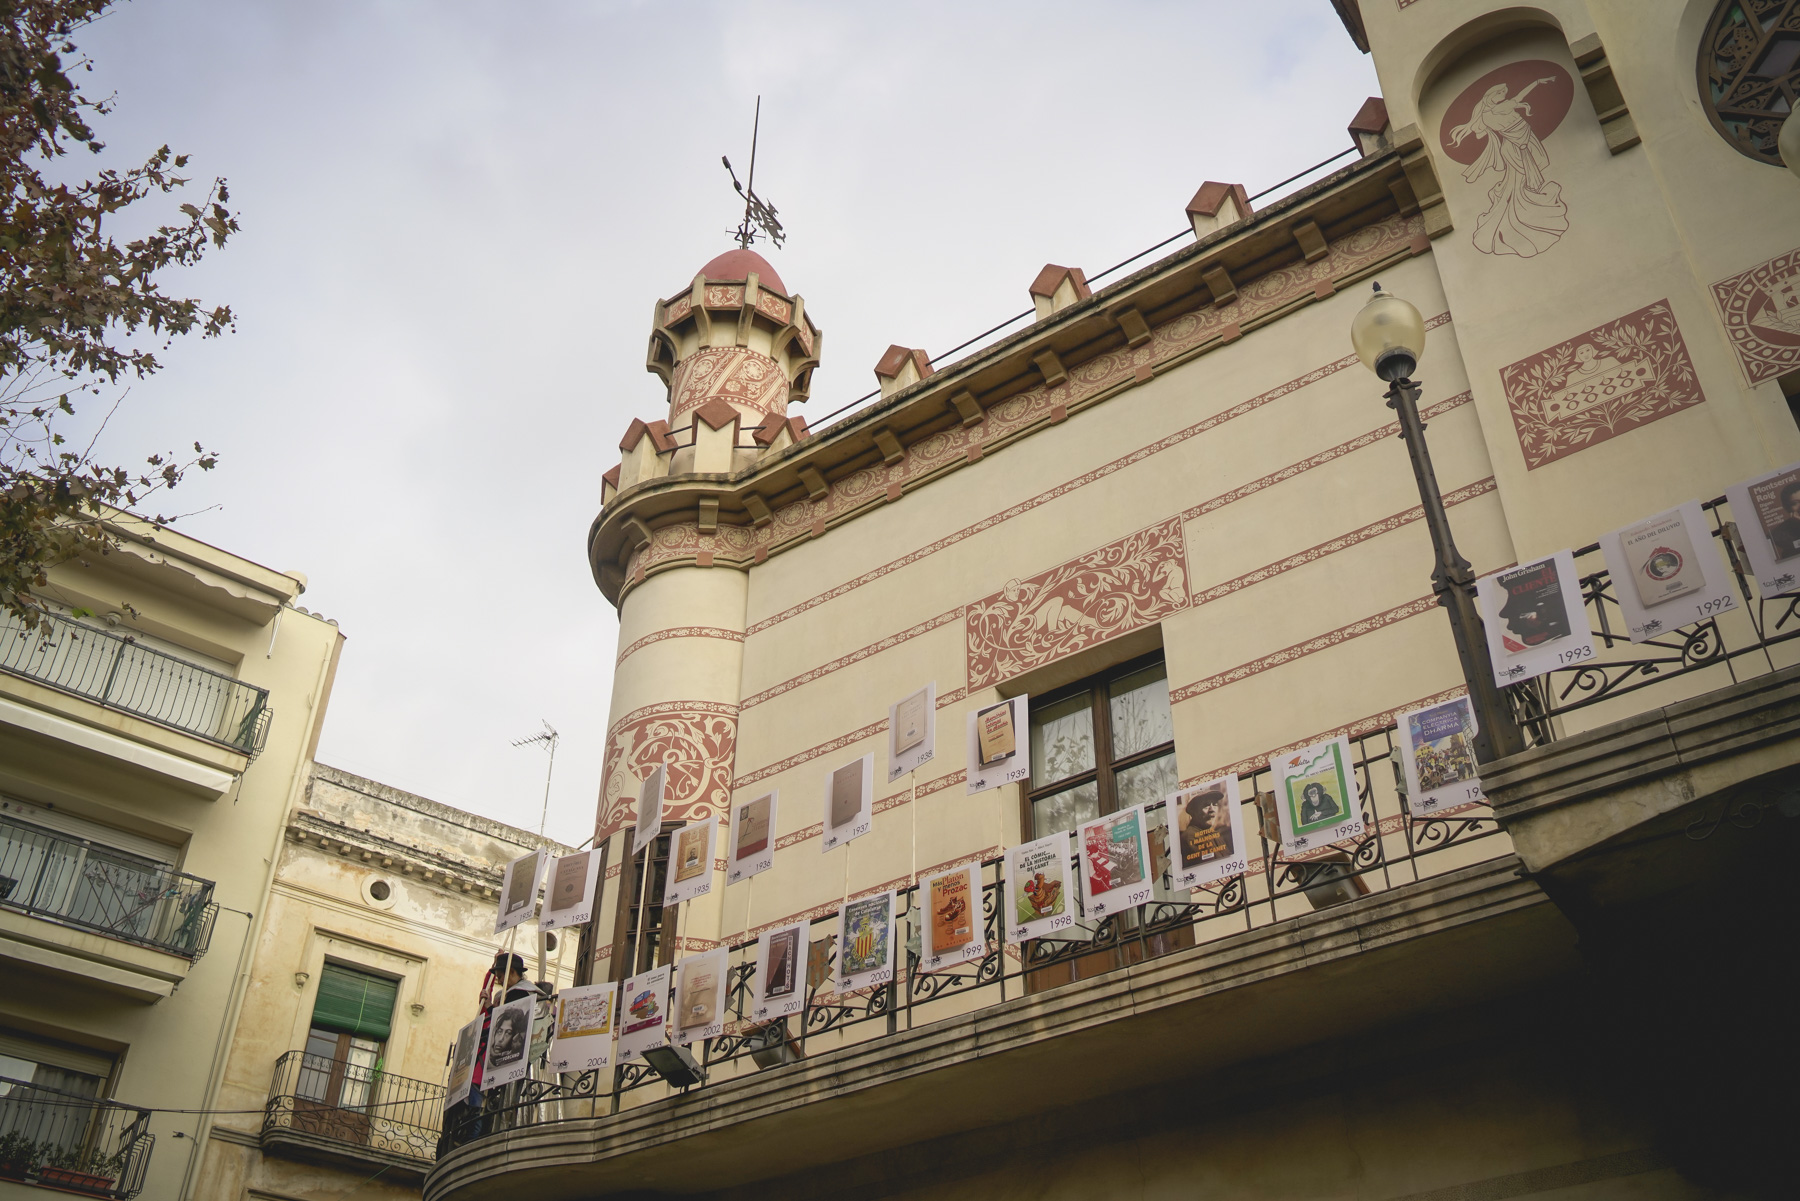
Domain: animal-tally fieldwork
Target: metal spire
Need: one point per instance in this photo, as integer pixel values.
(759, 214)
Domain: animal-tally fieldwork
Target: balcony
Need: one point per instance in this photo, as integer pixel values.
(72, 1143)
(331, 1111)
(118, 673)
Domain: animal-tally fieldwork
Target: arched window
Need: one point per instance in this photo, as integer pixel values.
(1750, 72)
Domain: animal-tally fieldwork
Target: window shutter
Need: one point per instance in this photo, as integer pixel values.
(354, 1002)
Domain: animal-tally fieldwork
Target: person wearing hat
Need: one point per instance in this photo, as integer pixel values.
(505, 982)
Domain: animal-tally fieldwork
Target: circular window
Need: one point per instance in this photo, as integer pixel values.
(549, 941)
(1750, 73)
(378, 894)
(381, 890)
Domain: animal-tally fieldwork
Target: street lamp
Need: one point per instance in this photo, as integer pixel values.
(1389, 337)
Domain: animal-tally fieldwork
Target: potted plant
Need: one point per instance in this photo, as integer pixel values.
(18, 1155)
(89, 1170)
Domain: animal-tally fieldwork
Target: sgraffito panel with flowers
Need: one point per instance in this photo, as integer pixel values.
(1601, 384)
(696, 741)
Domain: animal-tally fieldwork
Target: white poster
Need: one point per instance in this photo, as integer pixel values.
(649, 809)
(509, 1044)
(700, 995)
(1315, 796)
(1115, 863)
(691, 861)
(569, 895)
(585, 1022)
(1535, 619)
(752, 838)
(1039, 901)
(998, 749)
(1437, 747)
(849, 802)
(462, 1063)
(953, 926)
(780, 972)
(518, 891)
(1667, 572)
(866, 943)
(1767, 512)
(912, 732)
(644, 1013)
(1206, 833)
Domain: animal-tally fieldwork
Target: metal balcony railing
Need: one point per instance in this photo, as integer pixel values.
(355, 1105)
(94, 887)
(117, 672)
(73, 1143)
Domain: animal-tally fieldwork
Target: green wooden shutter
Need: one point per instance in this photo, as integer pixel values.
(355, 1002)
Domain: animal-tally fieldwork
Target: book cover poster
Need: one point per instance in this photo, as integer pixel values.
(509, 1044)
(997, 745)
(644, 1013)
(1315, 796)
(570, 898)
(752, 839)
(780, 987)
(1038, 903)
(1667, 572)
(912, 732)
(462, 1063)
(690, 872)
(1767, 512)
(649, 809)
(1534, 618)
(1437, 749)
(1115, 862)
(953, 930)
(700, 995)
(866, 943)
(585, 1018)
(518, 891)
(849, 802)
(1206, 833)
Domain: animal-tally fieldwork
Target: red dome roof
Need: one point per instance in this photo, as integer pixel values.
(738, 264)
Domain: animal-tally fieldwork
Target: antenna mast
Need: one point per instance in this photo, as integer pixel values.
(759, 215)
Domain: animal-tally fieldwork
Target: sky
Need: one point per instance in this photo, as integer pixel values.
(455, 221)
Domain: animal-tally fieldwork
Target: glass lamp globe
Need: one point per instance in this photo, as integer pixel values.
(1389, 336)
(1787, 144)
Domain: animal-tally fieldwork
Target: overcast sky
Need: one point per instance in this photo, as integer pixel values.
(456, 218)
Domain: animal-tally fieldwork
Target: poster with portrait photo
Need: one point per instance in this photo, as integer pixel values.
(518, 891)
(780, 972)
(1115, 862)
(849, 802)
(998, 749)
(1039, 902)
(1437, 749)
(1667, 572)
(865, 943)
(1315, 796)
(1206, 833)
(569, 890)
(912, 732)
(690, 872)
(752, 838)
(700, 995)
(1767, 512)
(649, 809)
(509, 1043)
(644, 1013)
(462, 1063)
(953, 928)
(1534, 618)
(585, 1018)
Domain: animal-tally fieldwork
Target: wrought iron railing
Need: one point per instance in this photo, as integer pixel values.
(357, 1106)
(70, 1142)
(121, 674)
(95, 887)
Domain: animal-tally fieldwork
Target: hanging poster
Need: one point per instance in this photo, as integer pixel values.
(691, 862)
(1115, 862)
(1667, 572)
(1437, 747)
(644, 1013)
(752, 839)
(518, 891)
(1534, 618)
(912, 732)
(849, 802)
(1038, 902)
(953, 927)
(462, 1063)
(866, 943)
(780, 989)
(700, 995)
(1206, 833)
(585, 1018)
(1315, 796)
(649, 809)
(1767, 512)
(509, 1043)
(997, 745)
(569, 896)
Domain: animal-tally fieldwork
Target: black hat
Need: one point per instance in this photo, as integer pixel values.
(500, 963)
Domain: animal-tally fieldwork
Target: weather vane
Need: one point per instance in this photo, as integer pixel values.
(758, 213)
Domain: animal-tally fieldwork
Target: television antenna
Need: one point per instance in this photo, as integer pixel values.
(546, 738)
(759, 214)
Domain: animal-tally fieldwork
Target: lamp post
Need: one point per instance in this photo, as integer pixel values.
(1389, 337)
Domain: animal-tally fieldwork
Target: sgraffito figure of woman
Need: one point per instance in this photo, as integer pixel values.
(1526, 213)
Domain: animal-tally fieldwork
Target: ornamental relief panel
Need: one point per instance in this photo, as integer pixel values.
(695, 740)
(1496, 129)
(1761, 311)
(742, 377)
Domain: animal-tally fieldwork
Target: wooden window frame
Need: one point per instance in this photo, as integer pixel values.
(657, 951)
(1105, 768)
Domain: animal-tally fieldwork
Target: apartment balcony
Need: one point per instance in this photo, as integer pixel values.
(71, 1143)
(331, 1111)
